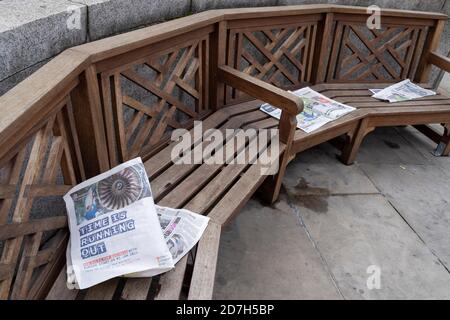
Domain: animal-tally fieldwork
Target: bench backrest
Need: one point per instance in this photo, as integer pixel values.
(104, 102)
(331, 45)
(389, 54)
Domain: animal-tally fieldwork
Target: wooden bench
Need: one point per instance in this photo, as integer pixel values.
(102, 103)
(216, 190)
(375, 113)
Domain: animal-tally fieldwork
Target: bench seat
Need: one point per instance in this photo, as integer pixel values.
(374, 113)
(218, 191)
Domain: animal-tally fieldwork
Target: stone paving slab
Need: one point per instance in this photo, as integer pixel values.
(324, 153)
(265, 254)
(385, 145)
(424, 145)
(421, 195)
(325, 179)
(359, 231)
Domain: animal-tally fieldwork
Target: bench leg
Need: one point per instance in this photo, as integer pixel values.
(272, 186)
(443, 147)
(354, 142)
(270, 190)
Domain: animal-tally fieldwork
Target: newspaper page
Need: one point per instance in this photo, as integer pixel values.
(114, 227)
(318, 110)
(374, 91)
(403, 91)
(182, 229)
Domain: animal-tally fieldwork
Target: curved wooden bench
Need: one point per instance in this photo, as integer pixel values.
(375, 113)
(218, 191)
(102, 103)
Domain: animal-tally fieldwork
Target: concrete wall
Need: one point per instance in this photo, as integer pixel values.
(34, 31)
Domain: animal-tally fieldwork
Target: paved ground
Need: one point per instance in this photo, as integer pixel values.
(336, 228)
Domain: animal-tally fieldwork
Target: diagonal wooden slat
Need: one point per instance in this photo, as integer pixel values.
(7, 191)
(180, 70)
(12, 247)
(148, 85)
(13, 230)
(274, 59)
(390, 52)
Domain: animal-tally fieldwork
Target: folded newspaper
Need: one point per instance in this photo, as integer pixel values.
(318, 110)
(182, 229)
(402, 91)
(115, 228)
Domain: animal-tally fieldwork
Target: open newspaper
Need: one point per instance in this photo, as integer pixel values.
(182, 229)
(114, 228)
(402, 91)
(318, 110)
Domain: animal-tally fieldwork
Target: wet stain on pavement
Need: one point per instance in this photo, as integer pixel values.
(308, 197)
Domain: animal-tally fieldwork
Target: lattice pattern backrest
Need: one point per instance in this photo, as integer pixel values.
(144, 101)
(280, 53)
(33, 177)
(388, 54)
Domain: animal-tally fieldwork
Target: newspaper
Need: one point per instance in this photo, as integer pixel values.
(403, 91)
(114, 228)
(182, 229)
(318, 110)
(374, 91)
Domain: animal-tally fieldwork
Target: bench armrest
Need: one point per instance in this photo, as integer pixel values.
(439, 60)
(261, 90)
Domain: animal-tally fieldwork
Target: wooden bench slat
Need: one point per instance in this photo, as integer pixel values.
(6, 270)
(244, 107)
(168, 179)
(349, 99)
(236, 197)
(136, 289)
(171, 282)
(334, 94)
(201, 175)
(46, 190)
(190, 186)
(13, 230)
(345, 86)
(163, 158)
(414, 110)
(102, 291)
(222, 182)
(174, 174)
(263, 124)
(7, 191)
(59, 290)
(203, 277)
(413, 103)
